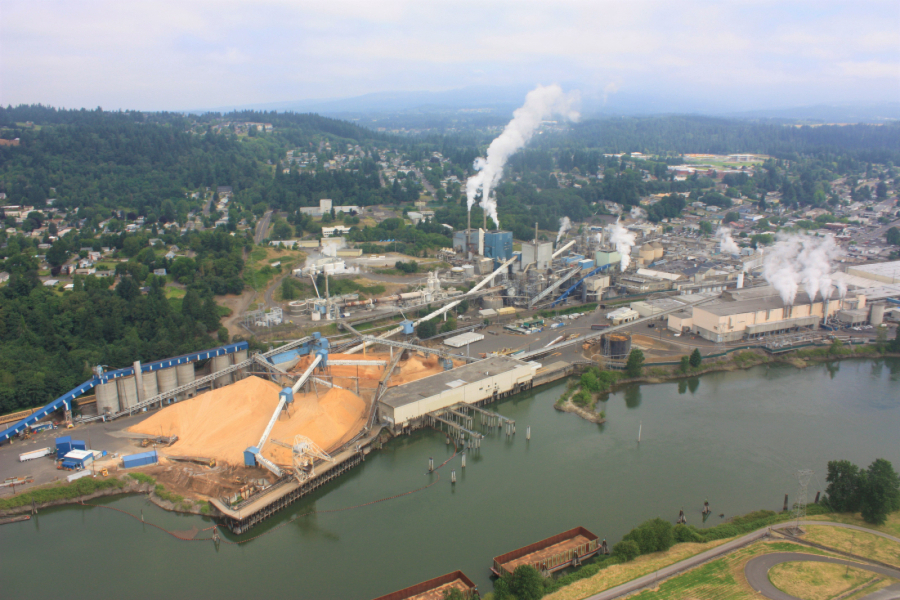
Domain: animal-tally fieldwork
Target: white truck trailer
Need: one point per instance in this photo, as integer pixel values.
(40, 453)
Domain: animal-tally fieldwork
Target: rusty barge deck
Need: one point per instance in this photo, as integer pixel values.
(557, 552)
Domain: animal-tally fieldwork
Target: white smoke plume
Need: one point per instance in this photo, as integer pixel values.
(805, 260)
(637, 212)
(726, 242)
(623, 240)
(540, 103)
(564, 225)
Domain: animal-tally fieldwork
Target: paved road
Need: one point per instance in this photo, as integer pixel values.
(690, 563)
(262, 227)
(757, 572)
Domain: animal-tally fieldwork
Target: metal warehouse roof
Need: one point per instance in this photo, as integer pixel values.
(435, 384)
(469, 337)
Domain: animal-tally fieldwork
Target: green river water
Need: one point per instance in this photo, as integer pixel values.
(736, 439)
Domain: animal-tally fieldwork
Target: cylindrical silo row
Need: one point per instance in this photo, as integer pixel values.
(239, 357)
(219, 363)
(107, 398)
(127, 392)
(151, 388)
(167, 380)
(185, 375)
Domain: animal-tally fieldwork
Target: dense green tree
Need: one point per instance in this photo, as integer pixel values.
(893, 236)
(696, 359)
(655, 535)
(626, 550)
(426, 329)
(634, 363)
(843, 490)
(880, 492)
(685, 364)
(526, 583)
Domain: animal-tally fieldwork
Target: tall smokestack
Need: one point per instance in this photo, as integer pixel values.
(535, 233)
(485, 220)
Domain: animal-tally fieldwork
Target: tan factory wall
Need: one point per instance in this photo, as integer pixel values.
(470, 393)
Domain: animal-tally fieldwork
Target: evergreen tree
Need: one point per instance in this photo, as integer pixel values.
(696, 359)
(634, 363)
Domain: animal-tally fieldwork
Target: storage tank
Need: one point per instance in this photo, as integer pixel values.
(647, 253)
(494, 302)
(219, 363)
(658, 250)
(239, 357)
(616, 345)
(185, 374)
(167, 380)
(107, 398)
(468, 270)
(127, 392)
(151, 388)
(298, 307)
(876, 316)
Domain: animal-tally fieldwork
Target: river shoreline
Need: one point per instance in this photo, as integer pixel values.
(751, 358)
(136, 487)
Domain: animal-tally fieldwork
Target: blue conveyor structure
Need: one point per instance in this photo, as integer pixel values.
(566, 293)
(65, 401)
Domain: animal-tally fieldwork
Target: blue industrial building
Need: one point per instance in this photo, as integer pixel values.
(498, 245)
(139, 460)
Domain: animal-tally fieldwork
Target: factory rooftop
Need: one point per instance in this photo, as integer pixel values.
(435, 384)
(758, 299)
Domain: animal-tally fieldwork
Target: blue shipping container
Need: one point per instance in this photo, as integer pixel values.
(139, 460)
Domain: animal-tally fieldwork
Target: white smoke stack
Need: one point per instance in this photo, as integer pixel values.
(540, 103)
(564, 225)
(726, 242)
(624, 242)
(797, 260)
(740, 280)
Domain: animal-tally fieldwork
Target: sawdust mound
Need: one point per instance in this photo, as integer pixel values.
(412, 369)
(222, 423)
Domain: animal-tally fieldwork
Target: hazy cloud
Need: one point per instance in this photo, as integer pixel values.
(203, 53)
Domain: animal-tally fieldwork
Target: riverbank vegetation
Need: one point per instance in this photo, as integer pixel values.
(873, 492)
(61, 493)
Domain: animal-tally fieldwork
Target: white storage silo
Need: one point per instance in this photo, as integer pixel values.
(185, 373)
(107, 398)
(239, 357)
(127, 392)
(167, 380)
(219, 363)
(876, 316)
(151, 388)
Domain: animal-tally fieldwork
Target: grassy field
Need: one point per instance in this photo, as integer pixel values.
(817, 581)
(617, 574)
(719, 579)
(174, 292)
(891, 527)
(258, 270)
(855, 542)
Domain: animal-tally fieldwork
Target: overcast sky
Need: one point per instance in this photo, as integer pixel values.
(188, 54)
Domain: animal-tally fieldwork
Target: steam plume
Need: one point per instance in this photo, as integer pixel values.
(797, 260)
(564, 225)
(637, 212)
(540, 103)
(726, 242)
(623, 240)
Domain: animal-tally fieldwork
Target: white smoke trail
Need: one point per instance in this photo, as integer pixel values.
(624, 241)
(540, 103)
(726, 242)
(805, 260)
(564, 225)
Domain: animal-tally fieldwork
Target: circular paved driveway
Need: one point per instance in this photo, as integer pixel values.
(757, 573)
